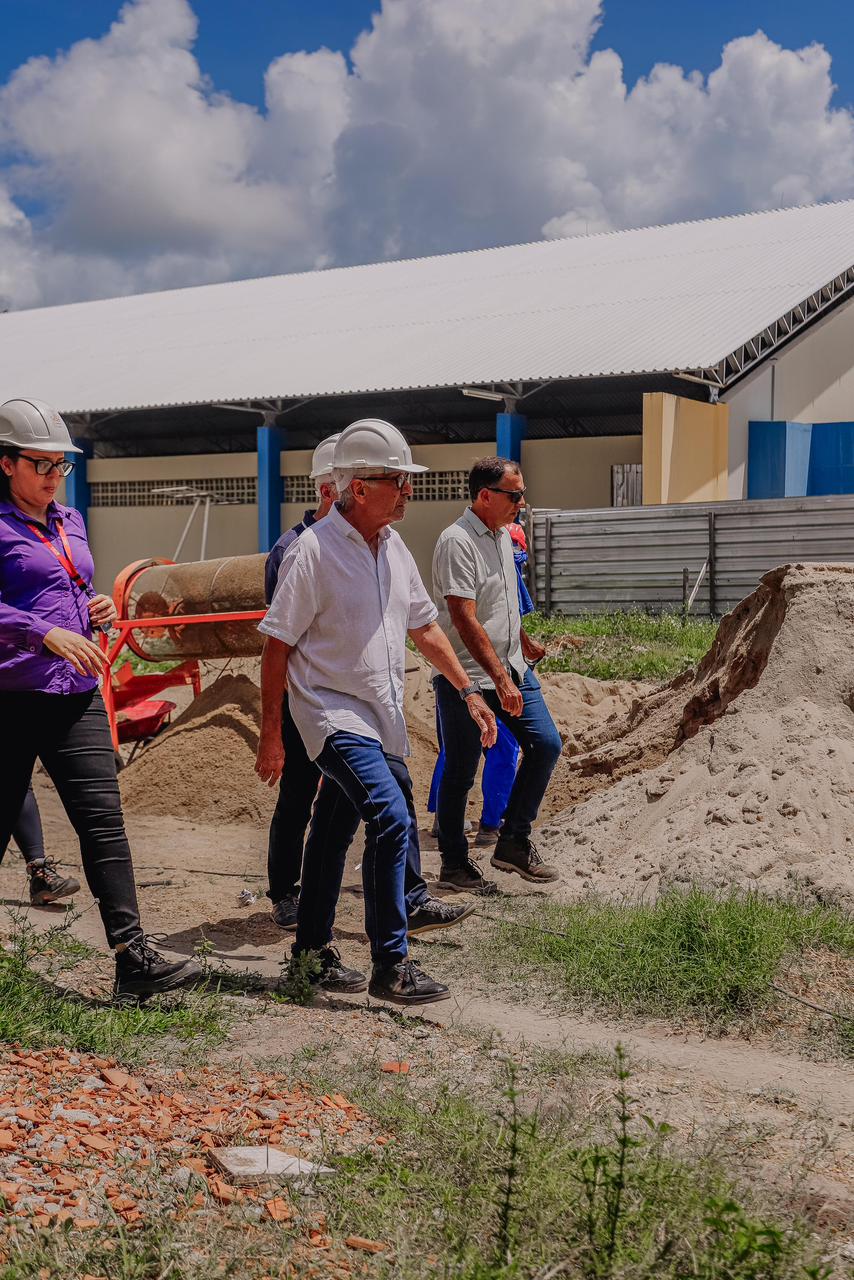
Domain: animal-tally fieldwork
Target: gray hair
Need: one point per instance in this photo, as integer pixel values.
(343, 477)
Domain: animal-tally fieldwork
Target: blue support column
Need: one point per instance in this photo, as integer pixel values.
(271, 440)
(77, 484)
(510, 429)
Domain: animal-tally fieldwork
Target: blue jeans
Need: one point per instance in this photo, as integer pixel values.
(358, 774)
(499, 770)
(535, 732)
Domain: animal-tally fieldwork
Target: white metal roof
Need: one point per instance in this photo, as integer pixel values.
(679, 297)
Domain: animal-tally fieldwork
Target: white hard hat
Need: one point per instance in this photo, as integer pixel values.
(32, 424)
(321, 459)
(372, 444)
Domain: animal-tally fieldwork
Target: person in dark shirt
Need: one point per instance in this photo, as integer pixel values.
(300, 778)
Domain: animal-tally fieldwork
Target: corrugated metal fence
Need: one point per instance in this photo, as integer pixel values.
(637, 557)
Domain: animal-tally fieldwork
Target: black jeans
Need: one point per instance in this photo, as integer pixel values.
(297, 789)
(70, 734)
(27, 831)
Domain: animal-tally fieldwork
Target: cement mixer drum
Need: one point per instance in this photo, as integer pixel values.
(160, 589)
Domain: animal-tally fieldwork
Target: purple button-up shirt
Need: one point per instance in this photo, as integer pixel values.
(36, 594)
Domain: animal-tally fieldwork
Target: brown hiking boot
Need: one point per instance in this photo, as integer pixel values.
(516, 853)
(467, 878)
(47, 885)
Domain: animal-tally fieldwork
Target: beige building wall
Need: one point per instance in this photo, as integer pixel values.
(684, 450)
(558, 473)
(812, 380)
(575, 474)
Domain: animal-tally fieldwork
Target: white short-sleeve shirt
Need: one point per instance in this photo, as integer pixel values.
(345, 615)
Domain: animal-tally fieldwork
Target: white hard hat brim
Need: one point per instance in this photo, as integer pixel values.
(44, 447)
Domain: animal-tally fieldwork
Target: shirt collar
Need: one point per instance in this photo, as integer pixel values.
(54, 512)
(475, 523)
(344, 526)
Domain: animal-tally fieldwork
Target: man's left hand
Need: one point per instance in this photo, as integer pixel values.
(484, 719)
(532, 650)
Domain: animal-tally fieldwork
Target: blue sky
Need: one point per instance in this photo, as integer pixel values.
(689, 33)
(456, 125)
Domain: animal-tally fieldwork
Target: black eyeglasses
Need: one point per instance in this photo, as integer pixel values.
(400, 480)
(515, 495)
(44, 466)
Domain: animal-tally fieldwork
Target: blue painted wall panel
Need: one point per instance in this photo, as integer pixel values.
(831, 467)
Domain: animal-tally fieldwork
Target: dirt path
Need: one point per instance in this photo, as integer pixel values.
(721, 1063)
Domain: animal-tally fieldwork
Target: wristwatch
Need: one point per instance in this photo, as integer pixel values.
(469, 690)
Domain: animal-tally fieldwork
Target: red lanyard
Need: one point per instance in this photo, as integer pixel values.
(65, 560)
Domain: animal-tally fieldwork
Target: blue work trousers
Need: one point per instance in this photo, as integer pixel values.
(499, 770)
(359, 774)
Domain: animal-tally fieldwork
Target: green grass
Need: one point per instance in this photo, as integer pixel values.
(513, 1192)
(623, 646)
(37, 1011)
(687, 954)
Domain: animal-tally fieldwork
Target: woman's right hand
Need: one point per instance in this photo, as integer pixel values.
(84, 655)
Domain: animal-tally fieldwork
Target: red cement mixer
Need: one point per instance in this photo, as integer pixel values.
(177, 613)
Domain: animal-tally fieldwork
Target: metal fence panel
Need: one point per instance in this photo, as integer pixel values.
(636, 557)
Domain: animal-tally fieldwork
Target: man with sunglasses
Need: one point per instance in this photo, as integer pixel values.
(475, 588)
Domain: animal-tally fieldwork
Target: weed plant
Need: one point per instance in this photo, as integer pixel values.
(688, 953)
(625, 646)
(37, 1011)
(521, 1194)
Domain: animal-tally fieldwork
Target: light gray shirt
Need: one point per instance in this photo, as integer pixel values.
(474, 563)
(345, 615)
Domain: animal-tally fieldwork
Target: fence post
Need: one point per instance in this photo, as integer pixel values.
(713, 604)
(547, 568)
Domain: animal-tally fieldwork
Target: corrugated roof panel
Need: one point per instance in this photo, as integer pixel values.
(656, 299)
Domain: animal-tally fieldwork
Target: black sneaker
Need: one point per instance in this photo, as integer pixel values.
(516, 853)
(142, 971)
(405, 983)
(467, 878)
(334, 974)
(47, 885)
(285, 911)
(435, 914)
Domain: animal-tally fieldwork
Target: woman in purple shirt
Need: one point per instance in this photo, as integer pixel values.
(50, 706)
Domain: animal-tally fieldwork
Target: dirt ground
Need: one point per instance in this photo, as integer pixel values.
(788, 1118)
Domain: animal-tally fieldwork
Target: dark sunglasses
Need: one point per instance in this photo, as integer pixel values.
(44, 466)
(515, 495)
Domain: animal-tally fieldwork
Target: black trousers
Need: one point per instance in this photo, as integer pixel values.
(27, 832)
(70, 734)
(297, 790)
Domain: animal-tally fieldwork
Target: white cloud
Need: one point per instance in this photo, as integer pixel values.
(458, 123)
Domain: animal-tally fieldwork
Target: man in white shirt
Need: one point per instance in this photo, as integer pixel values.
(475, 586)
(349, 595)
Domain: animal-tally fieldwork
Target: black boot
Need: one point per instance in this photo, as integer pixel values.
(142, 971)
(333, 974)
(405, 983)
(47, 885)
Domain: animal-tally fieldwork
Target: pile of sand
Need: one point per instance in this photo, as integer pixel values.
(741, 772)
(203, 766)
